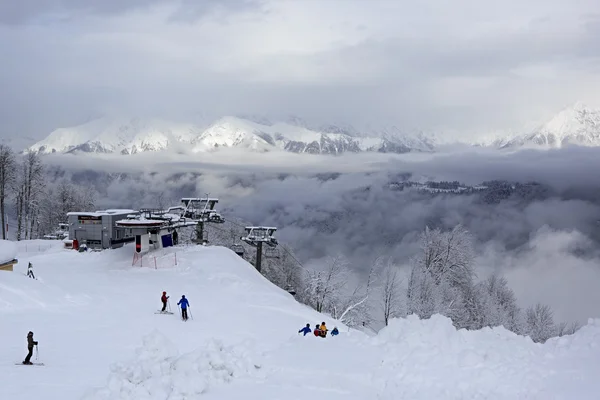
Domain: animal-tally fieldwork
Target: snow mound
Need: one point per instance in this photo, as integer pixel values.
(460, 364)
(8, 251)
(159, 372)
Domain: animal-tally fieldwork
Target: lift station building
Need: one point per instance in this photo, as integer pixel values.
(99, 230)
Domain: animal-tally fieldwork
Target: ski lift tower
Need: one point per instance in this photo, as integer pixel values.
(256, 236)
(202, 211)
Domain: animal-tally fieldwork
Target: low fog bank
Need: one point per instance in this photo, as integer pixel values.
(544, 238)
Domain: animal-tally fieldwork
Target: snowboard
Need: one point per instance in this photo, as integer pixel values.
(29, 365)
(163, 312)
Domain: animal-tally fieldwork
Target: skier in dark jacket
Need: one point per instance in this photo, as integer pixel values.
(335, 331)
(30, 344)
(164, 299)
(306, 329)
(30, 271)
(184, 306)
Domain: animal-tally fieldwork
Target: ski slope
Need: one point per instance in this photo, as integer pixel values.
(99, 337)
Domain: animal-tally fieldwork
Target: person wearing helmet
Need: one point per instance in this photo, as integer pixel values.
(323, 329)
(306, 329)
(184, 303)
(30, 344)
(164, 299)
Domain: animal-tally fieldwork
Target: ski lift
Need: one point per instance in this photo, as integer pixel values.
(238, 249)
(271, 253)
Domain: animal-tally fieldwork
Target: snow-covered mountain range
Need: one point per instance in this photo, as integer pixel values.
(577, 124)
(134, 135)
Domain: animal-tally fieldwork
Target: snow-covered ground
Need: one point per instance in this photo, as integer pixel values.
(99, 337)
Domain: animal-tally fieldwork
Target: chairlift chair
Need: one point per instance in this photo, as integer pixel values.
(271, 252)
(238, 249)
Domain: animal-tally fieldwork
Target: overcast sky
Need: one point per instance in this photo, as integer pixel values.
(466, 65)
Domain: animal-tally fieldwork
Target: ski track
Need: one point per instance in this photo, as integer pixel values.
(94, 317)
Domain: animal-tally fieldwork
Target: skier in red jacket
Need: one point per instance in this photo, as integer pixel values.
(164, 299)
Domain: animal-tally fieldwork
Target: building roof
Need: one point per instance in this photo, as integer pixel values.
(102, 213)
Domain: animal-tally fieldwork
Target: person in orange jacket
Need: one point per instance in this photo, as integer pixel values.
(323, 329)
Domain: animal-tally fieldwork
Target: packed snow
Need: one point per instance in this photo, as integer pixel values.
(100, 337)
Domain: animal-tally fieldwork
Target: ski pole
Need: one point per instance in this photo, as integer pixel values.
(169, 305)
(191, 316)
(37, 358)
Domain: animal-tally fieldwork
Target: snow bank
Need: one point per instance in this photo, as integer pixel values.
(8, 251)
(425, 359)
(159, 372)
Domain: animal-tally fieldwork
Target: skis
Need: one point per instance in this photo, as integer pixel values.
(163, 312)
(33, 363)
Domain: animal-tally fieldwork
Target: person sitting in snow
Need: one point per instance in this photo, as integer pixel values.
(184, 306)
(30, 344)
(30, 271)
(306, 329)
(323, 329)
(164, 299)
(317, 330)
(334, 331)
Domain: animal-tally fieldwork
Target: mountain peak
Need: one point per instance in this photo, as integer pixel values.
(576, 124)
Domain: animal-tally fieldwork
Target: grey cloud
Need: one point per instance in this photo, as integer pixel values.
(26, 11)
(337, 206)
(63, 74)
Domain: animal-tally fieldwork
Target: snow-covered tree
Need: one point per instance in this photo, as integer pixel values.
(29, 188)
(8, 166)
(500, 304)
(539, 323)
(323, 288)
(441, 279)
(354, 309)
(61, 198)
(565, 328)
(391, 293)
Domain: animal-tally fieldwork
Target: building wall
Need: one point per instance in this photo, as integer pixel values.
(100, 232)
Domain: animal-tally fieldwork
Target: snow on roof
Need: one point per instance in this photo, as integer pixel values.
(198, 199)
(8, 251)
(141, 222)
(101, 213)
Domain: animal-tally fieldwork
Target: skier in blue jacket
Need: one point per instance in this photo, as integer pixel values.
(184, 303)
(306, 329)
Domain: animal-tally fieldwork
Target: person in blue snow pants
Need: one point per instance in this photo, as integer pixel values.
(184, 306)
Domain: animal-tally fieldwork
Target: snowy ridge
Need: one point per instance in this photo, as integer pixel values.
(125, 136)
(131, 136)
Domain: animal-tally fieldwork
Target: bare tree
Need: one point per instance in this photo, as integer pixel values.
(391, 299)
(8, 166)
(30, 186)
